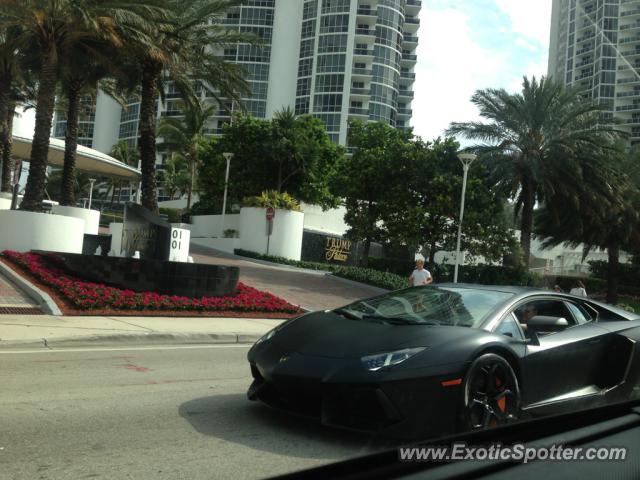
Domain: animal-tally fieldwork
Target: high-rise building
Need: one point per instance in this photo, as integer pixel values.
(334, 59)
(595, 45)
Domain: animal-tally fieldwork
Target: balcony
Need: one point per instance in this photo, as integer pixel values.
(409, 38)
(412, 21)
(362, 71)
(367, 12)
(405, 93)
(409, 57)
(405, 111)
(630, 13)
(360, 91)
(407, 75)
(359, 112)
(630, 26)
(365, 32)
(633, 93)
(624, 41)
(624, 81)
(627, 108)
(362, 52)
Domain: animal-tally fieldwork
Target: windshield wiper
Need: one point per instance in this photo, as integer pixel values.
(396, 320)
(347, 314)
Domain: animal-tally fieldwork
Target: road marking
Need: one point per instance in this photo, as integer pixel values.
(121, 349)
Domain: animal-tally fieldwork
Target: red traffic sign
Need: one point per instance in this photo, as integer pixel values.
(270, 213)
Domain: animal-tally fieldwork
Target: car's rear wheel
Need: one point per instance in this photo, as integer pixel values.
(491, 393)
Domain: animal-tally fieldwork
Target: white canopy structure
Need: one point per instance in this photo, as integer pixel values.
(87, 159)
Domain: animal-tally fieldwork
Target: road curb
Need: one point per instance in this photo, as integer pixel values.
(43, 299)
(134, 340)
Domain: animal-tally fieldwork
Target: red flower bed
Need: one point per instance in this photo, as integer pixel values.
(93, 296)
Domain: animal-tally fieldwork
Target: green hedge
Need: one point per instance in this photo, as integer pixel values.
(389, 281)
(488, 275)
(174, 215)
(107, 218)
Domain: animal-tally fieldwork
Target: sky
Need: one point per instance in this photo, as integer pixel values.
(466, 45)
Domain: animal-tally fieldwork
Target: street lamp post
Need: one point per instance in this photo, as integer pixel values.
(91, 181)
(466, 159)
(228, 156)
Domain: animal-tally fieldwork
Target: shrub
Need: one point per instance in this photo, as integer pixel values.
(174, 215)
(107, 218)
(230, 233)
(273, 199)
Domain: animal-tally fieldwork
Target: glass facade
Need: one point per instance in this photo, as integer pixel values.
(597, 49)
(86, 122)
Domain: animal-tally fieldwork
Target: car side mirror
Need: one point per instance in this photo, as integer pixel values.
(547, 322)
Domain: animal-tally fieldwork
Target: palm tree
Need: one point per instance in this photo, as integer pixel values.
(182, 136)
(537, 142)
(56, 28)
(129, 156)
(598, 223)
(187, 49)
(175, 177)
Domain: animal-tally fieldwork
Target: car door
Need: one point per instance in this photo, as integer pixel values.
(560, 364)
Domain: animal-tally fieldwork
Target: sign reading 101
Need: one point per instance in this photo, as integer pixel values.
(179, 248)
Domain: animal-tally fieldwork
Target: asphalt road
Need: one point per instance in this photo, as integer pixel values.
(150, 412)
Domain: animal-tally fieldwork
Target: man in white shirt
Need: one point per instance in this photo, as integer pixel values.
(579, 290)
(420, 276)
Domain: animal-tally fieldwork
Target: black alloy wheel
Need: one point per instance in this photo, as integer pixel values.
(491, 393)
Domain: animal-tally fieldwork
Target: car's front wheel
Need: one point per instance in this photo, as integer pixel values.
(491, 393)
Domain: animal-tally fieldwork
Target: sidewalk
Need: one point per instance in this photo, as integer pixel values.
(48, 331)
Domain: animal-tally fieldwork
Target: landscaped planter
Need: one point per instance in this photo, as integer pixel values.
(91, 217)
(80, 294)
(286, 236)
(23, 231)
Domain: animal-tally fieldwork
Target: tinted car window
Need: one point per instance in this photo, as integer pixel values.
(579, 313)
(510, 328)
(465, 307)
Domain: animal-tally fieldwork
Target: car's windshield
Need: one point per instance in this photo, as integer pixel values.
(465, 307)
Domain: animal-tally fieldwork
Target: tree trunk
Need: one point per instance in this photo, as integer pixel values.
(365, 252)
(34, 191)
(190, 189)
(8, 163)
(67, 194)
(150, 76)
(612, 273)
(432, 257)
(5, 131)
(526, 226)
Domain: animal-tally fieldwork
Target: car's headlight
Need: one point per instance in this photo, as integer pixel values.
(379, 360)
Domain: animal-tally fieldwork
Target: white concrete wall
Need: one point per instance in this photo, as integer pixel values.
(107, 125)
(224, 244)
(5, 201)
(331, 221)
(285, 51)
(23, 231)
(286, 238)
(211, 225)
(91, 217)
(116, 238)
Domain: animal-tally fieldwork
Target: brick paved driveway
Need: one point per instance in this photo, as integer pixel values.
(312, 291)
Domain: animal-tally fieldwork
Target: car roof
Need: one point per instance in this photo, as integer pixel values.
(517, 290)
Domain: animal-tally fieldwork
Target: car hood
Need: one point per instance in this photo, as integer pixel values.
(327, 334)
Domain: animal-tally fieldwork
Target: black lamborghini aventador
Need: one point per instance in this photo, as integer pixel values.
(433, 360)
